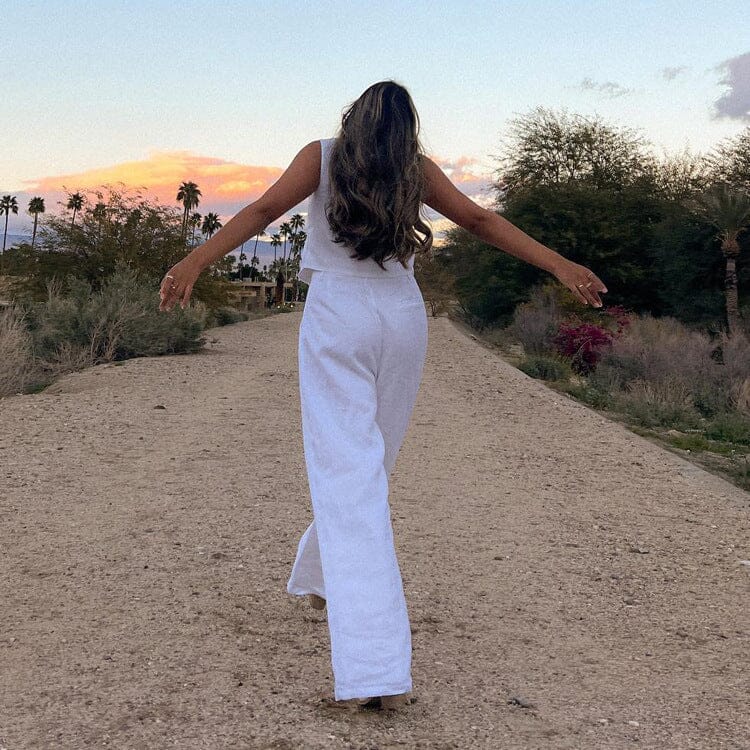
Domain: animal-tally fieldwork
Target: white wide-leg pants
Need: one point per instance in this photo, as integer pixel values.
(362, 346)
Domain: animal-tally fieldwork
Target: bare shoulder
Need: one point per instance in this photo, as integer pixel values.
(311, 153)
(298, 181)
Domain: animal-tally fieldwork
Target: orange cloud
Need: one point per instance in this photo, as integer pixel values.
(225, 186)
(163, 171)
(463, 169)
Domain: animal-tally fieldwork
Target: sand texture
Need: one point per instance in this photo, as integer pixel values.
(570, 584)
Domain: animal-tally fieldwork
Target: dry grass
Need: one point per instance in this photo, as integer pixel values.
(16, 360)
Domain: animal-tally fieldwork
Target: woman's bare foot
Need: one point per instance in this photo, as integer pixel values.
(376, 703)
(386, 702)
(316, 602)
(395, 702)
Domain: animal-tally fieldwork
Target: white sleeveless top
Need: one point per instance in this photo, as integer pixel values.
(320, 252)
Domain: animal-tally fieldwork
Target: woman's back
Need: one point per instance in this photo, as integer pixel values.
(320, 252)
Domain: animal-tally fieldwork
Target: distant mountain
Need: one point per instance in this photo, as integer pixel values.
(14, 239)
(265, 252)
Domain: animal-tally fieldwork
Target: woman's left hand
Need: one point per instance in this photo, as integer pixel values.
(583, 282)
(177, 285)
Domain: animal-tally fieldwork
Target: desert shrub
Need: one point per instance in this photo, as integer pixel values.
(435, 281)
(664, 402)
(739, 394)
(615, 369)
(118, 321)
(666, 354)
(666, 348)
(545, 367)
(16, 361)
(499, 336)
(591, 395)
(224, 315)
(536, 321)
(693, 442)
(731, 427)
(732, 377)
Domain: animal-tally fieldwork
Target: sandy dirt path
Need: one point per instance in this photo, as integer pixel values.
(548, 555)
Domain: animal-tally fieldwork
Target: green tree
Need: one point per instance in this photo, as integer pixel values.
(729, 161)
(435, 281)
(142, 233)
(545, 147)
(488, 282)
(36, 207)
(682, 176)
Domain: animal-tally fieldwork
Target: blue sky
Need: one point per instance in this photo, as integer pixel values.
(91, 85)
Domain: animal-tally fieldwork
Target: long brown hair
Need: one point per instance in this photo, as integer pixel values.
(376, 177)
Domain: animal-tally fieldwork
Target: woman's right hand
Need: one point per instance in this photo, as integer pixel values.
(584, 284)
(177, 284)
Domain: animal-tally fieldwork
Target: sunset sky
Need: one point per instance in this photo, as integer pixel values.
(225, 93)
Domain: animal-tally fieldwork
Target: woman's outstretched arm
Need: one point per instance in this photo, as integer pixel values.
(298, 181)
(448, 200)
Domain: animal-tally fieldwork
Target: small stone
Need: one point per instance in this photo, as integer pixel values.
(519, 700)
(633, 724)
(160, 406)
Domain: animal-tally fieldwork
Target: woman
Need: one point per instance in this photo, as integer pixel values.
(362, 345)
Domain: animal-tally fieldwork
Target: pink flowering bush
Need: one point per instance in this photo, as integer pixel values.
(584, 343)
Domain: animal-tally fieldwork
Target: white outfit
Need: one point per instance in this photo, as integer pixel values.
(321, 252)
(362, 345)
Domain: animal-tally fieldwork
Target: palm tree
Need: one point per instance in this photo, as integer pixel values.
(242, 257)
(189, 195)
(211, 224)
(728, 209)
(8, 205)
(194, 221)
(298, 238)
(298, 242)
(297, 222)
(285, 230)
(275, 242)
(100, 214)
(255, 247)
(75, 202)
(36, 207)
